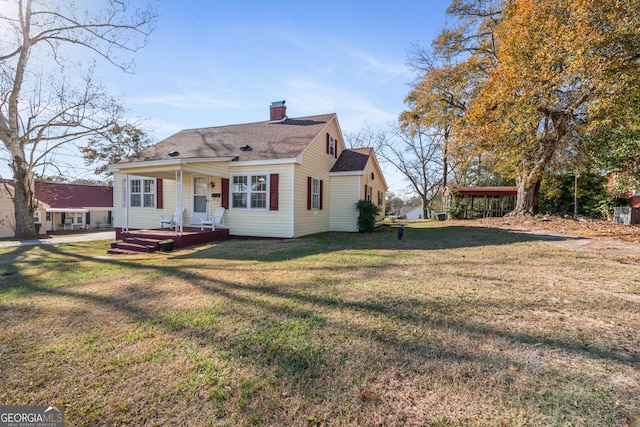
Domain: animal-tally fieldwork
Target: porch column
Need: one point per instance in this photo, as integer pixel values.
(125, 204)
(179, 202)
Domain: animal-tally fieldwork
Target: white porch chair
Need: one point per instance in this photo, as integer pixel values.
(68, 224)
(216, 220)
(172, 222)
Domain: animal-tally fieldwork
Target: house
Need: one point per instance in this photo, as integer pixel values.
(283, 178)
(60, 206)
(411, 212)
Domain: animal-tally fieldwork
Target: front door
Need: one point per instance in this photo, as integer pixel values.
(200, 199)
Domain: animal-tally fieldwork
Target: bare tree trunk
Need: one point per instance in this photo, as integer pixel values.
(23, 199)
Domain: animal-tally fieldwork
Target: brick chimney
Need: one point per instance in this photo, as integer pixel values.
(278, 112)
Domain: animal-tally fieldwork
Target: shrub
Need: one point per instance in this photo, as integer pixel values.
(367, 213)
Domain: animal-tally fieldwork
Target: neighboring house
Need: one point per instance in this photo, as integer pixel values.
(411, 212)
(60, 206)
(286, 177)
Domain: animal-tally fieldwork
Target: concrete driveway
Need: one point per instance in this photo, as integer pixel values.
(55, 240)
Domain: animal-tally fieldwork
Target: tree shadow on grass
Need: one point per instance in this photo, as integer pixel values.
(382, 239)
(285, 337)
(256, 295)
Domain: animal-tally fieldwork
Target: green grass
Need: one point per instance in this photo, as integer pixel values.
(450, 326)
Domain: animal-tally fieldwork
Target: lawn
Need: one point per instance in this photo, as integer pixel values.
(450, 326)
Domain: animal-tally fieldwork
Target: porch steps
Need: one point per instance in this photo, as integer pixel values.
(135, 245)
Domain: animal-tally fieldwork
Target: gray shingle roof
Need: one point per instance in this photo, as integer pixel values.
(352, 160)
(283, 140)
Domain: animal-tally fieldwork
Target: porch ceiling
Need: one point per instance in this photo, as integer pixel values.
(164, 173)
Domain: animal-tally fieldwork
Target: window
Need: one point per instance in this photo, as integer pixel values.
(245, 196)
(315, 193)
(143, 193)
(332, 145)
(36, 216)
(259, 191)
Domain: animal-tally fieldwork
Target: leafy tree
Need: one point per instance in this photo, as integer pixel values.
(47, 99)
(542, 78)
(557, 193)
(117, 143)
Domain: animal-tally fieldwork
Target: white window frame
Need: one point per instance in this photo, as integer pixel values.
(36, 217)
(249, 191)
(332, 145)
(142, 185)
(369, 192)
(315, 194)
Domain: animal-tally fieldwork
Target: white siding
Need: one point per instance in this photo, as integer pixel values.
(317, 164)
(263, 222)
(344, 196)
(7, 222)
(142, 217)
(376, 183)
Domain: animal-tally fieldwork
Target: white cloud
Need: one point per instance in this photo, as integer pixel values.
(392, 70)
(184, 100)
(354, 109)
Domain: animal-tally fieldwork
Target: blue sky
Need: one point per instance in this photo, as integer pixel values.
(212, 63)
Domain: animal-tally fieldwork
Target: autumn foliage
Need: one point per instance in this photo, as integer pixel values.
(531, 80)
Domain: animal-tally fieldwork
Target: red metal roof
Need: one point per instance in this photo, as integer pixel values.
(65, 196)
(487, 191)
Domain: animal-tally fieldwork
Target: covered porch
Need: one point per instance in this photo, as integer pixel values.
(182, 194)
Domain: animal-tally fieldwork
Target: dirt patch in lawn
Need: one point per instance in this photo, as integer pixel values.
(592, 229)
(612, 241)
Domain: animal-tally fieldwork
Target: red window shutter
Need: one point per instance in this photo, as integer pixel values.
(335, 150)
(273, 191)
(321, 193)
(309, 193)
(328, 143)
(159, 196)
(225, 193)
(366, 191)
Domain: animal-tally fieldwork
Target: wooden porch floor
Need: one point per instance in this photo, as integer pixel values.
(190, 236)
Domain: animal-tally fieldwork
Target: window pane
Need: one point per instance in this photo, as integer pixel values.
(259, 183)
(135, 200)
(239, 200)
(135, 185)
(149, 200)
(200, 204)
(149, 184)
(258, 200)
(239, 184)
(315, 193)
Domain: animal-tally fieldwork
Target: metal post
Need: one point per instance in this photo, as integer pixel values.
(575, 196)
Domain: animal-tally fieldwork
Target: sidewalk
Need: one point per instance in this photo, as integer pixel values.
(55, 240)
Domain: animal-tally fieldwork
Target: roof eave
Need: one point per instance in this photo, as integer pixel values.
(167, 162)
